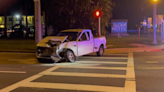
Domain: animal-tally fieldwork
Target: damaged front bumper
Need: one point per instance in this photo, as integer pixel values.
(47, 53)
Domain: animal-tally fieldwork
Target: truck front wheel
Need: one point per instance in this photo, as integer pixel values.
(69, 56)
(101, 51)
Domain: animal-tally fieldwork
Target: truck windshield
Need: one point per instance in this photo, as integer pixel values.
(72, 36)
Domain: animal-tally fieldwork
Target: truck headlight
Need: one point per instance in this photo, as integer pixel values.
(48, 45)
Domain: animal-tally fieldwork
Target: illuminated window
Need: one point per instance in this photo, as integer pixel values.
(10, 19)
(30, 19)
(17, 19)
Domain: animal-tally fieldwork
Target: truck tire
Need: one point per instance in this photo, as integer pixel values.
(101, 51)
(69, 56)
(45, 60)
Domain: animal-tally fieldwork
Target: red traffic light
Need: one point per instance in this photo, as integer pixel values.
(97, 13)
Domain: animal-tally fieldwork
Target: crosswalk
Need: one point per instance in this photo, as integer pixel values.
(111, 73)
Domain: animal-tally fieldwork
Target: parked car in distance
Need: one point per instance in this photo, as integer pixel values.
(16, 31)
(2, 32)
(70, 44)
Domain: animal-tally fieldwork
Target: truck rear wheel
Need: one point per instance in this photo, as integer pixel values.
(69, 56)
(101, 51)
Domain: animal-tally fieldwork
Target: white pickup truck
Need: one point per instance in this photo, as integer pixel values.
(70, 44)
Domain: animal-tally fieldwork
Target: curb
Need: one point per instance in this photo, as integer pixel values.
(153, 50)
(118, 51)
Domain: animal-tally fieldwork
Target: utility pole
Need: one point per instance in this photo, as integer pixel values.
(38, 28)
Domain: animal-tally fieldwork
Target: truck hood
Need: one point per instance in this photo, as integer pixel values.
(43, 42)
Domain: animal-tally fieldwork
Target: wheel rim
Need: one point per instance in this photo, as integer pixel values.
(101, 51)
(71, 56)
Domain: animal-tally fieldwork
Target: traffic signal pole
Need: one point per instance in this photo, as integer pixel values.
(99, 22)
(99, 25)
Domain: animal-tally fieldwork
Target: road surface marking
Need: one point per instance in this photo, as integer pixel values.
(107, 57)
(65, 65)
(16, 60)
(25, 81)
(155, 68)
(74, 87)
(101, 62)
(84, 74)
(87, 67)
(76, 63)
(116, 54)
(12, 72)
(151, 62)
(130, 84)
(18, 84)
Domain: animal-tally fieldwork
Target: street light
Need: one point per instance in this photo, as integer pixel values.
(98, 14)
(17, 16)
(154, 22)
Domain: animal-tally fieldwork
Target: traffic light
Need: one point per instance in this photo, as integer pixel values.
(98, 13)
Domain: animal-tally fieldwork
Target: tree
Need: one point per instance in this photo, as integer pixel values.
(66, 14)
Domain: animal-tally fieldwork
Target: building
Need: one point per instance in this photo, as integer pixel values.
(12, 20)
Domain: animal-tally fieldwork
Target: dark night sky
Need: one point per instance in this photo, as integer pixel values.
(133, 10)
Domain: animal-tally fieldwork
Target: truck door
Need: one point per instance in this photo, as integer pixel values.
(84, 44)
(91, 42)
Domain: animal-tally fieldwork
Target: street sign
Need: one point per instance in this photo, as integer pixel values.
(119, 27)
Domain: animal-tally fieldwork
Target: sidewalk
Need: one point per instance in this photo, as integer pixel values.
(140, 49)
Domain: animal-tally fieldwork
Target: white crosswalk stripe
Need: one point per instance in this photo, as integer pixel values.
(88, 67)
(85, 74)
(74, 86)
(94, 65)
(101, 62)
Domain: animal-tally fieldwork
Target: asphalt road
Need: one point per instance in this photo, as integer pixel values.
(21, 72)
(149, 70)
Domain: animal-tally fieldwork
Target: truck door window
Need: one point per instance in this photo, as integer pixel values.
(88, 35)
(83, 37)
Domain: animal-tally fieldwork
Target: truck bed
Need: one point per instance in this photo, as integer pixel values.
(98, 41)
